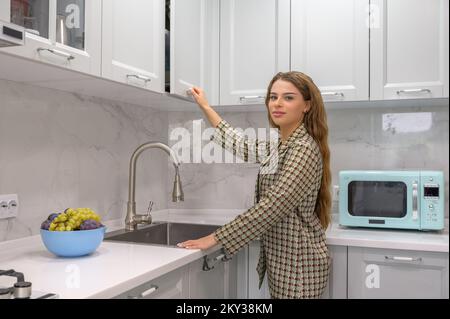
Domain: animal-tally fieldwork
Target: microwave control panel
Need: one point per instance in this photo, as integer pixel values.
(432, 201)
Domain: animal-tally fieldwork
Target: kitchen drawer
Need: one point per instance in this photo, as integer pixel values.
(174, 285)
(389, 273)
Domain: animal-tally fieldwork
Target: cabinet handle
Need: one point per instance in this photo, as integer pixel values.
(414, 203)
(206, 261)
(57, 52)
(333, 94)
(145, 293)
(401, 258)
(149, 291)
(139, 77)
(249, 98)
(414, 91)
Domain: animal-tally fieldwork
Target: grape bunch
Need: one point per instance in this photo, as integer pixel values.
(72, 219)
(90, 224)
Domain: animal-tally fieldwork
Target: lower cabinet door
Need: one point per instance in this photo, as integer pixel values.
(213, 277)
(390, 273)
(173, 285)
(337, 280)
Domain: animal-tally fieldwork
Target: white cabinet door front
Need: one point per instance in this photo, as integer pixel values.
(211, 280)
(174, 285)
(133, 42)
(65, 33)
(254, 46)
(194, 49)
(337, 280)
(389, 273)
(409, 49)
(330, 43)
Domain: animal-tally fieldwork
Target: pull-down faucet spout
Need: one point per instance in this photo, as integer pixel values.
(132, 219)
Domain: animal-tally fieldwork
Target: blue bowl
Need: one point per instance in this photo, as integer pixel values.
(73, 243)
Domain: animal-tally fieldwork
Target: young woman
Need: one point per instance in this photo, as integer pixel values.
(293, 201)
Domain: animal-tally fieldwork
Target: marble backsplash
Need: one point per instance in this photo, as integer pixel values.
(61, 150)
(369, 138)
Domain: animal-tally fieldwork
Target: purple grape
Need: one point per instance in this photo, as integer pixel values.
(51, 217)
(90, 224)
(46, 224)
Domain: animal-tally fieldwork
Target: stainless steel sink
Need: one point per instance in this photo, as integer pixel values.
(162, 233)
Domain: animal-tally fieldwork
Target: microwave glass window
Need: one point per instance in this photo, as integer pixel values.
(431, 191)
(377, 199)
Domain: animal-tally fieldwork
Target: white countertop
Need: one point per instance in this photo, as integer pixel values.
(117, 267)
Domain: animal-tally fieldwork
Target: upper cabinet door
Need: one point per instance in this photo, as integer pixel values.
(409, 49)
(194, 47)
(66, 33)
(330, 43)
(133, 42)
(254, 46)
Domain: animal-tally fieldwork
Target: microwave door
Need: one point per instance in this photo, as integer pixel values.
(378, 199)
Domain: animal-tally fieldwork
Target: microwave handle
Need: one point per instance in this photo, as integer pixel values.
(415, 214)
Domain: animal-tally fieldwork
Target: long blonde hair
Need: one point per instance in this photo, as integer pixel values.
(315, 122)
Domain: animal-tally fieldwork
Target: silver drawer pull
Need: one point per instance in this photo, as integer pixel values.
(57, 52)
(333, 94)
(414, 91)
(251, 98)
(139, 77)
(149, 291)
(401, 258)
(220, 257)
(209, 263)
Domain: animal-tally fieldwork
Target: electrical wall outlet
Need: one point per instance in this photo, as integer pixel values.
(9, 206)
(335, 195)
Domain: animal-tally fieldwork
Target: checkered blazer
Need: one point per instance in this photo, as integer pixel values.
(293, 244)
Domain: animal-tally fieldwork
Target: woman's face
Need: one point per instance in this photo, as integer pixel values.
(286, 104)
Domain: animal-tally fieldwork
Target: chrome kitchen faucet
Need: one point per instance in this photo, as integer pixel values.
(132, 219)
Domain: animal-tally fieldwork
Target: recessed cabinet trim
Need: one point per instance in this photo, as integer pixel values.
(409, 49)
(330, 43)
(244, 69)
(133, 53)
(50, 51)
(194, 47)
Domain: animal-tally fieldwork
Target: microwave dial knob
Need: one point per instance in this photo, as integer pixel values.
(431, 206)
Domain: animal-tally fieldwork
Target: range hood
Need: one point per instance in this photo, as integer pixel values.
(11, 34)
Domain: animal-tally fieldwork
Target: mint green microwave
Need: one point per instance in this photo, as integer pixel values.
(392, 199)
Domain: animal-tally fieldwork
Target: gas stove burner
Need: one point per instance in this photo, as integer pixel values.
(21, 289)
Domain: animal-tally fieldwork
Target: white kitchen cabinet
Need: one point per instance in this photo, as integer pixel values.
(213, 279)
(173, 285)
(65, 33)
(133, 42)
(210, 279)
(337, 280)
(330, 43)
(389, 273)
(194, 47)
(254, 46)
(409, 49)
